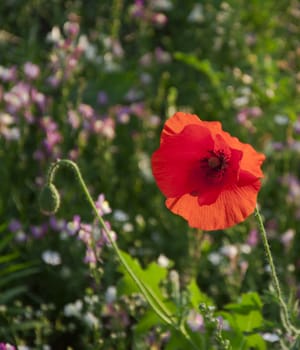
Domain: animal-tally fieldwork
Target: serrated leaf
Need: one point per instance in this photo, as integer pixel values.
(197, 296)
(248, 302)
(246, 315)
(256, 341)
(153, 275)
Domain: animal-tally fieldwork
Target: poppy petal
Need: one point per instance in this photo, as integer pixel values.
(251, 160)
(180, 120)
(232, 206)
(209, 196)
(175, 164)
(246, 178)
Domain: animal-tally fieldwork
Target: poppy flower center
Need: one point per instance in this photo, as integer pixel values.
(213, 162)
(215, 165)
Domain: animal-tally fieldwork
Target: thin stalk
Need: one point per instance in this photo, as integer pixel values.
(285, 313)
(158, 307)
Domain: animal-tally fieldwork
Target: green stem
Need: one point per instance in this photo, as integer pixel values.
(183, 330)
(285, 313)
(116, 18)
(50, 180)
(158, 307)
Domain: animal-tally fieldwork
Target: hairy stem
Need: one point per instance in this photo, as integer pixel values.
(158, 307)
(286, 320)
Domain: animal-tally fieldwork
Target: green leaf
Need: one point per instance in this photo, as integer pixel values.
(249, 322)
(5, 241)
(178, 342)
(245, 317)
(16, 275)
(256, 341)
(151, 277)
(203, 66)
(149, 320)
(197, 296)
(14, 268)
(11, 294)
(8, 257)
(248, 302)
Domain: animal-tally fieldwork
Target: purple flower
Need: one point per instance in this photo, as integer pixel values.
(297, 126)
(293, 185)
(159, 19)
(242, 116)
(105, 239)
(277, 146)
(13, 103)
(54, 80)
(39, 155)
(17, 97)
(8, 74)
(138, 9)
(90, 257)
(31, 70)
(146, 59)
(102, 205)
(39, 231)
(21, 237)
(57, 225)
(71, 29)
(255, 112)
(162, 56)
(102, 98)
(52, 138)
(108, 128)
(14, 225)
(6, 346)
(123, 114)
(85, 233)
(89, 233)
(74, 154)
(138, 109)
(74, 119)
(86, 111)
(287, 238)
(195, 321)
(252, 239)
(39, 99)
(74, 226)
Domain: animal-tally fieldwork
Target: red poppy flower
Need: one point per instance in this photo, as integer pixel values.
(209, 177)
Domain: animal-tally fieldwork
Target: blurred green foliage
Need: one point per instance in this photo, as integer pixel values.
(236, 62)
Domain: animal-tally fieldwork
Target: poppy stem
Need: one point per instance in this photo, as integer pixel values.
(158, 307)
(285, 315)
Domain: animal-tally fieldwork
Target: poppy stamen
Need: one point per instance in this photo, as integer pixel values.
(216, 164)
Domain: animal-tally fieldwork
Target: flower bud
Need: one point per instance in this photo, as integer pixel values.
(49, 200)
